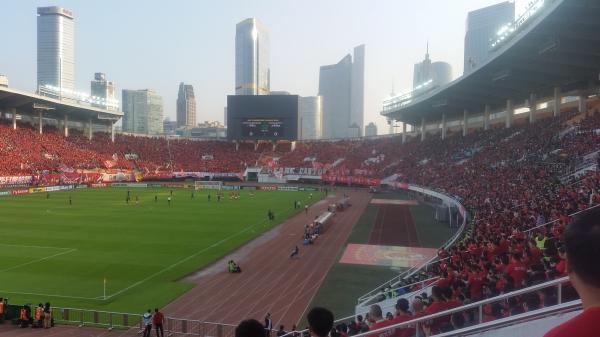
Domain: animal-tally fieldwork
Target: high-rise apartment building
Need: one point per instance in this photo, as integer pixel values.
(252, 73)
(341, 87)
(186, 106)
(55, 49)
(482, 27)
(103, 93)
(142, 112)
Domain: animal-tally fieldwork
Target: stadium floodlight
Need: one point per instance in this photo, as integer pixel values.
(509, 29)
(81, 97)
(38, 106)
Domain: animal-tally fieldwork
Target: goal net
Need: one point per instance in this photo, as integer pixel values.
(208, 185)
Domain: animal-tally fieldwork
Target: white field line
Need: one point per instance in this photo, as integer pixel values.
(45, 295)
(70, 250)
(188, 258)
(39, 247)
(37, 260)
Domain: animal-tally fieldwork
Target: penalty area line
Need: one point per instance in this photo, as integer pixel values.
(37, 260)
(28, 246)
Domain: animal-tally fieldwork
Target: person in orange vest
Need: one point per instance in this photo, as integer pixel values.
(24, 317)
(2, 309)
(39, 316)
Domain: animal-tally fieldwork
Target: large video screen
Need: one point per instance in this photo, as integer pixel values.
(264, 117)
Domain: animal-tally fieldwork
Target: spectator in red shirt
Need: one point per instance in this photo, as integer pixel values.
(475, 282)
(378, 322)
(561, 266)
(439, 304)
(403, 315)
(158, 319)
(517, 270)
(581, 241)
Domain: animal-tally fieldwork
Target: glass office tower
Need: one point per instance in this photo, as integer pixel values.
(55, 48)
(252, 73)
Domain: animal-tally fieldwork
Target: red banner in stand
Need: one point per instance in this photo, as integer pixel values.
(351, 180)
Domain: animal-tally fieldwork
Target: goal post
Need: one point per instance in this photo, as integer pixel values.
(208, 185)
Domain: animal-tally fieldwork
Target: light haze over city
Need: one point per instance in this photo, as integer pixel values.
(158, 44)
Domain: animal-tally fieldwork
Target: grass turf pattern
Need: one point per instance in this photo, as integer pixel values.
(53, 251)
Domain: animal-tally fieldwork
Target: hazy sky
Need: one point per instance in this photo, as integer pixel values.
(157, 44)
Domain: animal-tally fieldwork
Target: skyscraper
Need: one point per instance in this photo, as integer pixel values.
(103, 93)
(252, 73)
(371, 130)
(186, 106)
(55, 48)
(341, 86)
(142, 112)
(482, 26)
(310, 113)
(434, 73)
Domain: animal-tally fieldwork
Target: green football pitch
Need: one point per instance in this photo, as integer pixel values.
(103, 253)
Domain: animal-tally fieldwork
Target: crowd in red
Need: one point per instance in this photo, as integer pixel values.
(520, 210)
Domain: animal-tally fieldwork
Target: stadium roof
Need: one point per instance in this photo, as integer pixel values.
(24, 103)
(558, 46)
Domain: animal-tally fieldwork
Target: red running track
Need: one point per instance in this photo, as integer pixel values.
(271, 281)
(394, 226)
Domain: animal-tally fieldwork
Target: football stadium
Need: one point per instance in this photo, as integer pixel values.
(478, 214)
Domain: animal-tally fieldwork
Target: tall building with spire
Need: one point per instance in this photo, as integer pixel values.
(252, 72)
(434, 73)
(186, 106)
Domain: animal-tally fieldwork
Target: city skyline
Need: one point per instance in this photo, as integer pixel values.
(138, 54)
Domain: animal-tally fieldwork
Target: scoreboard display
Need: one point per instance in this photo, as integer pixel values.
(262, 117)
(262, 128)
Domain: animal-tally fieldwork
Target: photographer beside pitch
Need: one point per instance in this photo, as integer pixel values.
(582, 242)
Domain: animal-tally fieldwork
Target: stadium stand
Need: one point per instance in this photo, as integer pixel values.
(508, 178)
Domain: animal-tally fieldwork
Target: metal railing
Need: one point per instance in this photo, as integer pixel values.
(479, 308)
(422, 284)
(96, 318)
(516, 319)
(123, 321)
